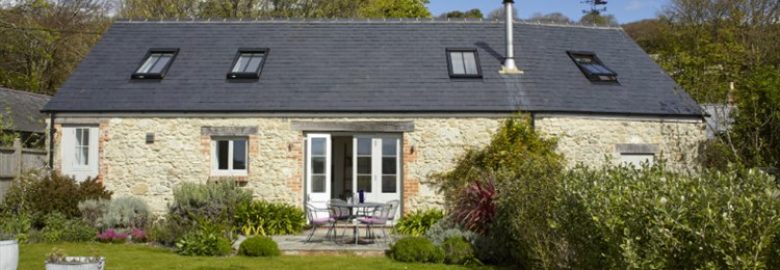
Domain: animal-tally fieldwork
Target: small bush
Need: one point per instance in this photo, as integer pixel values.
(207, 240)
(458, 251)
(416, 249)
(18, 225)
(259, 246)
(138, 235)
(78, 231)
(126, 212)
(417, 223)
(264, 218)
(43, 195)
(445, 229)
(166, 231)
(92, 211)
(216, 201)
(54, 227)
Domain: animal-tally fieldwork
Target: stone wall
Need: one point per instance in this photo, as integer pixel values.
(594, 140)
(181, 153)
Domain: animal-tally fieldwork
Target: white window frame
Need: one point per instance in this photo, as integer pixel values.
(215, 171)
(78, 148)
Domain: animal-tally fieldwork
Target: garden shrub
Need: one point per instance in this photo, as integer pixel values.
(43, 195)
(138, 235)
(416, 249)
(259, 246)
(458, 251)
(166, 232)
(214, 201)
(653, 218)
(264, 218)
(418, 222)
(92, 211)
(112, 236)
(57, 228)
(78, 231)
(446, 228)
(126, 212)
(208, 239)
(19, 225)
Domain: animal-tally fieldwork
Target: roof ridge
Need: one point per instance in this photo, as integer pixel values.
(356, 21)
(22, 92)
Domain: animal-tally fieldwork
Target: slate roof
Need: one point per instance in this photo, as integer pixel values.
(367, 66)
(23, 109)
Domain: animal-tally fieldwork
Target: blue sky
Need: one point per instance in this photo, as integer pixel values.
(625, 10)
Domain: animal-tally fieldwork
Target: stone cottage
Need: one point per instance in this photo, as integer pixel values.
(313, 110)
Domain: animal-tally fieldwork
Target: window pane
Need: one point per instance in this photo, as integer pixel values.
(364, 183)
(470, 61)
(148, 64)
(457, 63)
(318, 147)
(85, 155)
(239, 155)
(364, 165)
(318, 165)
(389, 165)
(318, 183)
(364, 146)
(241, 63)
(222, 155)
(254, 63)
(158, 67)
(389, 147)
(389, 184)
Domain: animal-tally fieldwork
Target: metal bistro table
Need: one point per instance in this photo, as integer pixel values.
(354, 210)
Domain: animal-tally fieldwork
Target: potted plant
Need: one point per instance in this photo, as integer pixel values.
(9, 252)
(57, 260)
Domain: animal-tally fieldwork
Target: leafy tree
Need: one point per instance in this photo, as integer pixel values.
(595, 18)
(756, 132)
(470, 14)
(554, 18)
(395, 9)
(499, 14)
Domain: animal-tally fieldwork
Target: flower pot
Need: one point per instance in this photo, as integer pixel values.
(9, 255)
(77, 263)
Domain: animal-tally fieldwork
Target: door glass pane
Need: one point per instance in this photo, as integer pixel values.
(364, 165)
(84, 155)
(389, 165)
(222, 155)
(318, 165)
(364, 183)
(389, 147)
(364, 146)
(457, 63)
(239, 155)
(389, 184)
(318, 183)
(318, 146)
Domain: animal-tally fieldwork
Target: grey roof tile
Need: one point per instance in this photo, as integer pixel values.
(23, 110)
(327, 66)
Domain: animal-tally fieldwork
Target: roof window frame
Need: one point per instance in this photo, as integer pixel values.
(594, 77)
(449, 52)
(248, 75)
(155, 76)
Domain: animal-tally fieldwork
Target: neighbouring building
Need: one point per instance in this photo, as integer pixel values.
(313, 110)
(20, 113)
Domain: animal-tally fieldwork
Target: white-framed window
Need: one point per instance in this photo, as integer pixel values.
(81, 158)
(229, 156)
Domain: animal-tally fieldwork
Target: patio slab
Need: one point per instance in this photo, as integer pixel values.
(343, 245)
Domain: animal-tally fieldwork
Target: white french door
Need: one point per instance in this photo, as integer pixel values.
(377, 169)
(318, 174)
(79, 150)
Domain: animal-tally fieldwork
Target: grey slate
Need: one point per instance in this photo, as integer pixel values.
(23, 110)
(367, 66)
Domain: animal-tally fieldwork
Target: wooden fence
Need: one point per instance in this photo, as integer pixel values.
(16, 160)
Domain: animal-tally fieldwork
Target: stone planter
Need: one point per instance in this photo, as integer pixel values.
(9, 255)
(76, 263)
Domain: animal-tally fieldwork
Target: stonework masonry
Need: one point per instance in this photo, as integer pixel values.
(595, 140)
(181, 152)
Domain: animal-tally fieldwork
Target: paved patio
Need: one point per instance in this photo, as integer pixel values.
(344, 243)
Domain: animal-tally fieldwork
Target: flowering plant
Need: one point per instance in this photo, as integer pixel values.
(112, 236)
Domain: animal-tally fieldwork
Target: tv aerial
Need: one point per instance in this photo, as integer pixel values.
(596, 6)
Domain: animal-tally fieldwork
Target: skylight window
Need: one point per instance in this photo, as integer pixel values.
(156, 64)
(464, 63)
(248, 64)
(592, 67)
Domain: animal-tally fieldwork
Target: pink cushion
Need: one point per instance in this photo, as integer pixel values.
(320, 221)
(371, 220)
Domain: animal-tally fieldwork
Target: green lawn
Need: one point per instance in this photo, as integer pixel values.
(128, 256)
